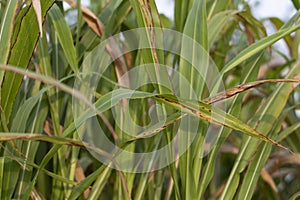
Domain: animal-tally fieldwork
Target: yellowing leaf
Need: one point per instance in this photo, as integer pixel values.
(38, 11)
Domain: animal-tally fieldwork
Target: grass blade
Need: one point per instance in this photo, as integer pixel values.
(257, 47)
(20, 53)
(6, 29)
(264, 123)
(213, 115)
(64, 35)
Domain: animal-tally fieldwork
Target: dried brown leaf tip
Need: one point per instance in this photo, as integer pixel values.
(91, 19)
(38, 12)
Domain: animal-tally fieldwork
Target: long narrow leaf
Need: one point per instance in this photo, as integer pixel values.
(20, 54)
(64, 35)
(213, 115)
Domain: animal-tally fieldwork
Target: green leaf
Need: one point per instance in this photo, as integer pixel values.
(116, 19)
(213, 115)
(64, 35)
(147, 17)
(25, 111)
(296, 4)
(249, 74)
(152, 130)
(257, 47)
(263, 121)
(39, 137)
(6, 30)
(253, 173)
(182, 9)
(30, 149)
(100, 183)
(195, 48)
(2, 163)
(295, 196)
(87, 182)
(285, 133)
(215, 7)
(217, 23)
(21, 53)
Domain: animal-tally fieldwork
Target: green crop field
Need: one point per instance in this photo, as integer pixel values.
(117, 101)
